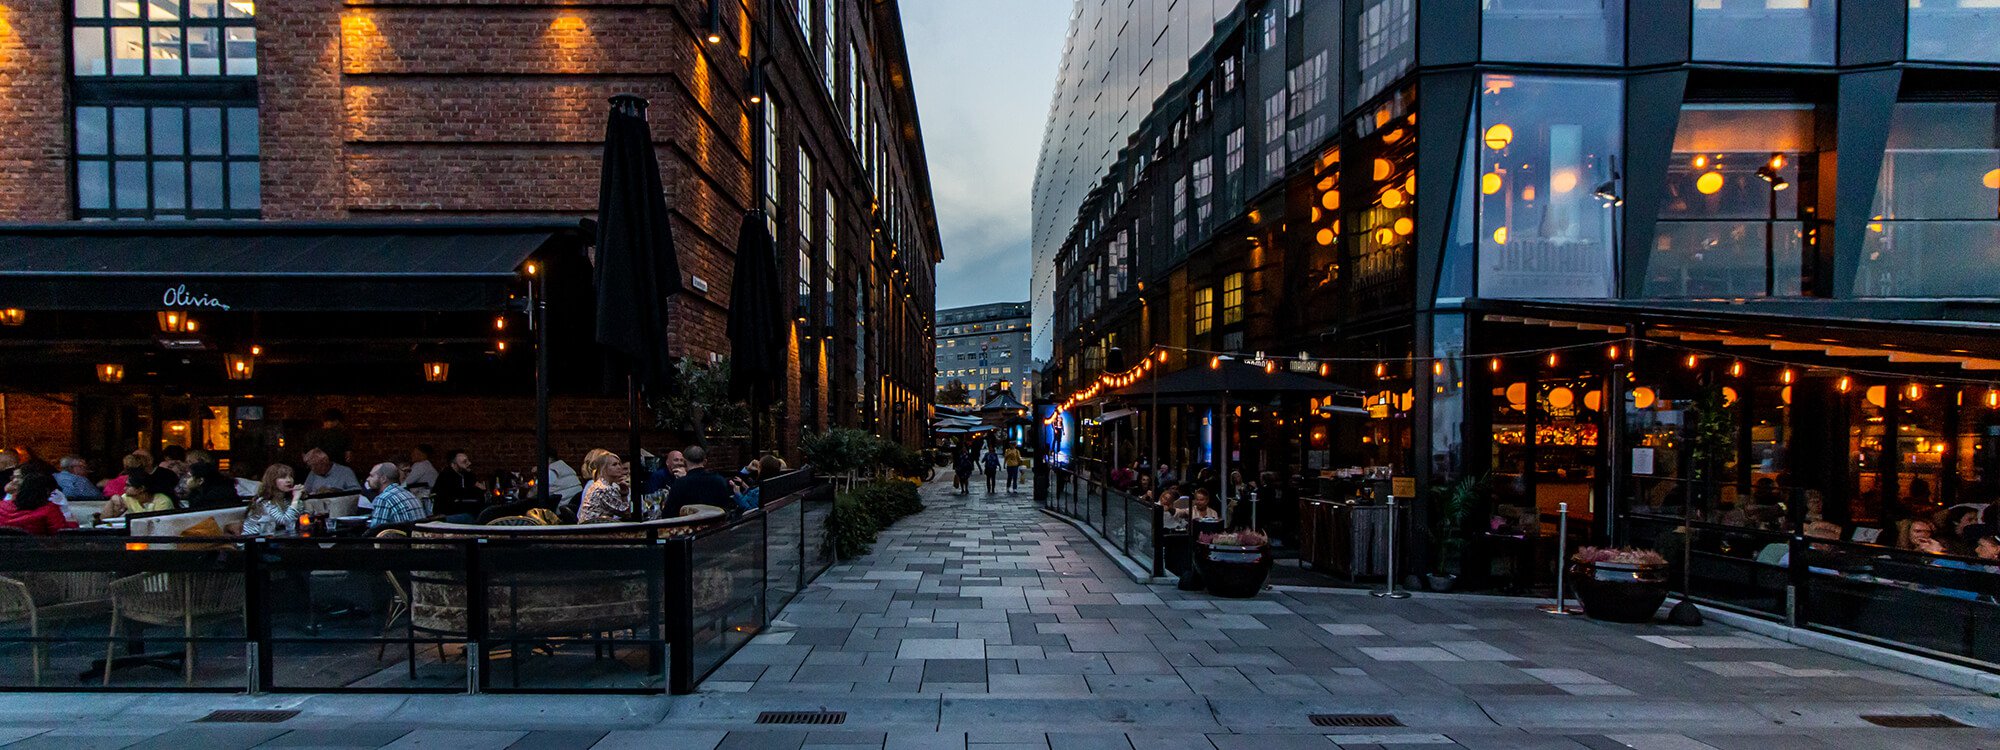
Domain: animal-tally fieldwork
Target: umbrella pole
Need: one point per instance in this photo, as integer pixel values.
(538, 319)
(1222, 423)
(632, 420)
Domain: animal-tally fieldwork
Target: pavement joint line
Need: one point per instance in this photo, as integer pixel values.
(1126, 564)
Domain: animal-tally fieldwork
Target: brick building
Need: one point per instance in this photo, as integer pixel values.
(466, 113)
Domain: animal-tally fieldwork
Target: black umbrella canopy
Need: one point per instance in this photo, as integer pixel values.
(637, 266)
(1232, 376)
(756, 322)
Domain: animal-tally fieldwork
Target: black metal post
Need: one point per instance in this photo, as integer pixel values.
(475, 616)
(632, 417)
(538, 320)
(680, 629)
(256, 605)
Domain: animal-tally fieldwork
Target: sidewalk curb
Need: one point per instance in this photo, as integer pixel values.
(1105, 546)
(1916, 665)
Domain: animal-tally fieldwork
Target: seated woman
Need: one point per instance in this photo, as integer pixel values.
(1920, 535)
(208, 487)
(132, 462)
(275, 511)
(30, 508)
(1203, 508)
(138, 496)
(605, 498)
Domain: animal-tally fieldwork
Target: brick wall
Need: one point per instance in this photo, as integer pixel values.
(39, 423)
(34, 111)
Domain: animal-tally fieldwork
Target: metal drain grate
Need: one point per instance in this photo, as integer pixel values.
(802, 717)
(1356, 720)
(1916, 721)
(248, 717)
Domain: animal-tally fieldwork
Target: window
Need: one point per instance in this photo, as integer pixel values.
(1738, 219)
(1232, 160)
(1204, 186)
(1232, 299)
(1764, 31)
(1180, 209)
(772, 176)
(1387, 48)
(1548, 149)
(163, 38)
(166, 162)
(1955, 30)
(803, 11)
(829, 32)
(161, 131)
(1270, 30)
(828, 246)
(1936, 231)
(1578, 32)
(1308, 85)
(1204, 310)
(804, 310)
(1230, 73)
(1275, 155)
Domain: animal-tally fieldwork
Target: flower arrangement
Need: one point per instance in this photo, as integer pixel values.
(1619, 555)
(1246, 538)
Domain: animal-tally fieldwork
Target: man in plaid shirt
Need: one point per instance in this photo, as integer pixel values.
(393, 503)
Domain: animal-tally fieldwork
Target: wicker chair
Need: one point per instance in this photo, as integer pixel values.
(399, 602)
(515, 521)
(39, 598)
(190, 600)
(544, 515)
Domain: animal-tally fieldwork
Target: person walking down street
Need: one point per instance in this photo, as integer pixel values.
(991, 464)
(1013, 461)
(961, 470)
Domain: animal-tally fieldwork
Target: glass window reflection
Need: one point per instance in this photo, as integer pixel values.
(1955, 30)
(1738, 220)
(1765, 31)
(1577, 32)
(1548, 154)
(1936, 226)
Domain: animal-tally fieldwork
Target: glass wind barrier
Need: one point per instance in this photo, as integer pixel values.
(726, 603)
(1127, 523)
(122, 614)
(785, 550)
(338, 615)
(1940, 604)
(570, 615)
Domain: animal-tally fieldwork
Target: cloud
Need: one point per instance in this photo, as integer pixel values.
(983, 80)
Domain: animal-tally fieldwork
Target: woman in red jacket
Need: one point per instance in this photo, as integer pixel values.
(29, 508)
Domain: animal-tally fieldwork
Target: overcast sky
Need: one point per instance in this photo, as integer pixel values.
(984, 72)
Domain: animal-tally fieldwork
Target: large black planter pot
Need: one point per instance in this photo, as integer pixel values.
(1619, 592)
(1234, 571)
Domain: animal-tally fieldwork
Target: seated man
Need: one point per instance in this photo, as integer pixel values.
(393, 503)
(700, 486)
(323, 475)
(74, 479)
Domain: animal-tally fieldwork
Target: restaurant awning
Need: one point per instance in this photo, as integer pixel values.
(270, 266)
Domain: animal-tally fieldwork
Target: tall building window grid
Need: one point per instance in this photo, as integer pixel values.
(164, 110)
(1180, 209)
(1307, 87)
(829, 29)
(163, 38)
(1232, 299)
(1204, 187)
(803, 11)
(830, 247)
(1275, 153)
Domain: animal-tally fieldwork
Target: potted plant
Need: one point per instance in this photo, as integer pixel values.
(1235, 564)
(1455, 503)
(1619, 584)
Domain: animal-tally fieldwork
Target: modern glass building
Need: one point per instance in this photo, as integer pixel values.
(1615, 256)
(1120, 57)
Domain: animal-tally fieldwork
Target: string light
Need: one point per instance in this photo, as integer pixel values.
(1736, 369)
(1614, 352)
(1215, 364)
(1493, 364)
(1381, 370)
(1693, 361)
(1915, 392)
(1786, 376)
(1552, 359)
(1846, 384)
(1992, 398)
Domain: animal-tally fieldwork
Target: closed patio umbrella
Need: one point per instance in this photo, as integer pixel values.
(637, 266)
(756, 324)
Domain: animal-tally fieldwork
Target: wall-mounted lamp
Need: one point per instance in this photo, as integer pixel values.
(239, 366)
(714, 21)
(13, 316)
(437, 372)
(175, 321)
(111, 373)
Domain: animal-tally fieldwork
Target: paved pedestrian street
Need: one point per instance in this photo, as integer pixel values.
(985, 624)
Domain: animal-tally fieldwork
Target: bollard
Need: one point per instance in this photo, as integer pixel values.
(1561, 607)
(1390, 592)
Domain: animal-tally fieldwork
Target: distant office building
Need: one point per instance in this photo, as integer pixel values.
(980, 346)
(1121, 56)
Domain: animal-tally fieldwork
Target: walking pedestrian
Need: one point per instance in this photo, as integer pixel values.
(1013, 459)
(991, 463)
(961, 470)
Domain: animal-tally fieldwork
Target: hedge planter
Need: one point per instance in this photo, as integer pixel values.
(1612, 591)
(1236, 571)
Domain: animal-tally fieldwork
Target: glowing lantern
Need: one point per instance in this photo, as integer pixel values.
(1644, 398)
(1404, 226)
(1383, 169)
(1561, 397)
(1709, 183)
(1498, 136)
(1392, 199)
(1500, 236)
(1991, 180)
(1325, 237)
(1728, 395)
(1489, 183)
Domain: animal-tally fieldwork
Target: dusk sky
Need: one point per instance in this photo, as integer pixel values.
(984, 72)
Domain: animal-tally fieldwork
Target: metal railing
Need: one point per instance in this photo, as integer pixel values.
(404, 615)
(1133, 527)
(1944, 606)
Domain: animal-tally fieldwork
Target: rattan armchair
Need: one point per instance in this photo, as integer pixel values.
(39, 598)
(189, 600)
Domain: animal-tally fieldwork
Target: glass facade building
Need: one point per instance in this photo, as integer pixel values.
(1611, 256)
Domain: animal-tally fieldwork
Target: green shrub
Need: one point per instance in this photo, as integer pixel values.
(842, 450)
(891, 500)
(852, 533)
(905, 461)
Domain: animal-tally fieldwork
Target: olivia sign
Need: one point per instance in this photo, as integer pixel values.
(179, 296)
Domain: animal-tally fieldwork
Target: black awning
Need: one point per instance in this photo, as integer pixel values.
(269, 266)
